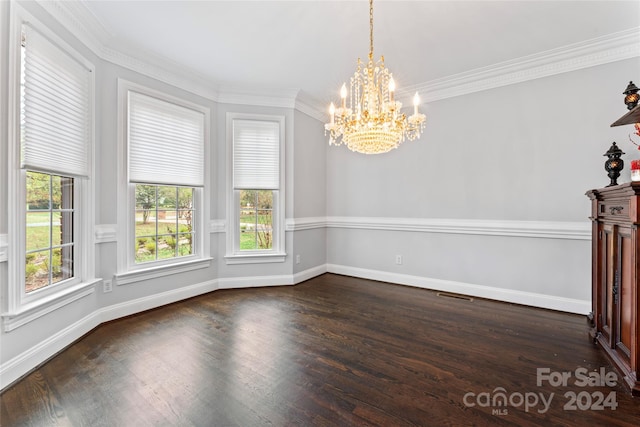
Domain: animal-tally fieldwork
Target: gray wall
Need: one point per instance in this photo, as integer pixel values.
(310, 190)
(521, 154)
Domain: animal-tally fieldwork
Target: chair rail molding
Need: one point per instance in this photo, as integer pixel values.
(4, 246)
(536, 229)
(308, 223)
(106, 233)
(217, 226)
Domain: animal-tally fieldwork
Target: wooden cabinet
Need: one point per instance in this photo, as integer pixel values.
(615, 216)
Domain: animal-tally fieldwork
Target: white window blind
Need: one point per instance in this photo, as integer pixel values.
(57, 112)
(256, 154)
(166, 142)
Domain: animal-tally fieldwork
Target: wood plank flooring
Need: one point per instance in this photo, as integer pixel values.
(332, 351)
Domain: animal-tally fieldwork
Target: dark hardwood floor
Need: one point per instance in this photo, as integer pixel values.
(333, 351)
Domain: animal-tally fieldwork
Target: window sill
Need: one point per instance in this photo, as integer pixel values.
(255, 258)
(39, 308)
(134, 276)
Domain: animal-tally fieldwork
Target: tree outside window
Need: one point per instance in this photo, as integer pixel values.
(163, 222)
(49, 230)
(256, 219)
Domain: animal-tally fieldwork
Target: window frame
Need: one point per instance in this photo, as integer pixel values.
(128, 271)
(157, 234)
(23, 307)
(233, 253)
(50, 248)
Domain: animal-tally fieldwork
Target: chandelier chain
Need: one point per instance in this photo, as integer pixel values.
(370, 29)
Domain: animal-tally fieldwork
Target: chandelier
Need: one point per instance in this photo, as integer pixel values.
(371, 121)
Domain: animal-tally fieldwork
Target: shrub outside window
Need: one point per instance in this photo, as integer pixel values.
(164, 222)
(256, 180)
(50, 213)
(49, 230)
(163, 154)
(256, 219)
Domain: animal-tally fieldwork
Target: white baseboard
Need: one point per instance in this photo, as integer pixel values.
(551, 302)
(309, 273)
(21, 365)
(24, 363)
(139, 305)
(254, 282)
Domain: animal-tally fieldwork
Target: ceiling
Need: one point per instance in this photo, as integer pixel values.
(313, 45)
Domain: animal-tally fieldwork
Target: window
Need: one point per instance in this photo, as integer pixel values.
(256, 204)
(54, 118)
(163, 155)
(49, 230)
(50, 166)
(256, 219)
(164, 222)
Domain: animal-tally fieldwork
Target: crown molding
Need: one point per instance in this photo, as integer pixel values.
(310, 106)
(78, 19)
(163, 70)
(589, 53)
(257, 95)
(83, 25)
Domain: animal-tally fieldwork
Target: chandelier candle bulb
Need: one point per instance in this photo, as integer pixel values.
(343, 95)
(392, 88)
(416, 102)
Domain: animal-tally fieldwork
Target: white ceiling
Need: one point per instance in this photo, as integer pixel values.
(313, 45)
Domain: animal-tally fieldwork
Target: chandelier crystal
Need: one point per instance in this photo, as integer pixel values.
(371, 121)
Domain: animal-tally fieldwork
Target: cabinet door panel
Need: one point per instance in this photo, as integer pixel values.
(608, 252)
(624, 292)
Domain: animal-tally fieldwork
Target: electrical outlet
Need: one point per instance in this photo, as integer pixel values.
(298, 259)
(399, 259)
(106, 286)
